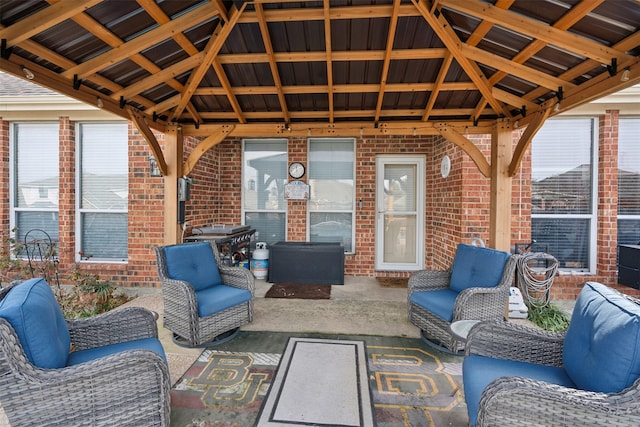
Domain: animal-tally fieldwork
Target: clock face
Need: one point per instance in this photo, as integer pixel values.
(296, 170)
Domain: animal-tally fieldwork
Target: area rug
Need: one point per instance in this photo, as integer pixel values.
(319, 382)
(299, 291)
(410, 383)
(393, 282)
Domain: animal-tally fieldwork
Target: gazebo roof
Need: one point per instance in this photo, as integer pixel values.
(396, 66)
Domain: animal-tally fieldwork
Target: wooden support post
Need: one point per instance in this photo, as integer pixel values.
(174, 152)
(500, 214)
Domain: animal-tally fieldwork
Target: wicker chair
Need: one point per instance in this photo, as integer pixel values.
(516, 375)
(205, 302)
(475, 288)
(114, 375)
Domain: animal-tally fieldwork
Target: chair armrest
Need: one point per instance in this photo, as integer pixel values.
(508, 340)
(508, 401)
(428, 280)
(86, 392)
(481, 303)
(120, 325)
(238, 277)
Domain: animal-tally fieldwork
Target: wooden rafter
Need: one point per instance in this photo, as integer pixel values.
(46, 18)
(537, 30)
(266, 39)
(144, 41)
(228, 90)
(329, 56)
(445, 32)
(438, 86)
(214, 45)
(387, 57)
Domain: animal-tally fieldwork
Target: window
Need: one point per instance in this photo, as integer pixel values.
(103, 185)
(35, 178)
(331, 203)
(264, 176)
(562, 194)
(629, 181)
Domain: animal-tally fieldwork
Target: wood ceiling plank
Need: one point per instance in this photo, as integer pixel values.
(518, 23)
(144, 41)
(44, 19)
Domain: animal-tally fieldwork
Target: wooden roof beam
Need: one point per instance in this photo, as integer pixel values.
(444, 31)
(329, 54)
(275, 74)
(518, 23)
(214, 45)
(44, 19)
(341, 55)
(150, 38)
(393, 24)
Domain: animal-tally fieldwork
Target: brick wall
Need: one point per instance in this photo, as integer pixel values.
(456, 207)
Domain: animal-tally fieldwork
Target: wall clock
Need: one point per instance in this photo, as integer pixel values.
(445, 166)
(296, 170)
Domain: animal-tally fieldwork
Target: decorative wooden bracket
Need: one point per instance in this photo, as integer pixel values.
(140, 122)
(211, 141)
(525, 140)
(467, 146)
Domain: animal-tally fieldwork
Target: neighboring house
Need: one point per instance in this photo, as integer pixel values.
(85, 177)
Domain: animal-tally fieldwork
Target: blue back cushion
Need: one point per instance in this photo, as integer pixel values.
(476, 266)
(194, 263)
(32, 310)
(602, 345)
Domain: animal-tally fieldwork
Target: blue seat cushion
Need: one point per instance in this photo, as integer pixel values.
(439, 302)
(479, 371)
(33, 312)
(602, 345)
(218, 298)
(82, 356)
(475, 266)
(194, 263)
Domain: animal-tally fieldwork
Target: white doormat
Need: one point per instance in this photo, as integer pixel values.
(320, 383)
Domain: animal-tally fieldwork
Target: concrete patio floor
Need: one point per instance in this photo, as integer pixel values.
(359, 307)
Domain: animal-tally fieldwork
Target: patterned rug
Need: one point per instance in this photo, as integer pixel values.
(411, 383)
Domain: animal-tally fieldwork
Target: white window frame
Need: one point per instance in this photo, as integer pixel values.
(243, 210)
(13, 208)
(593, 215)
(626, 217)
(78, 202)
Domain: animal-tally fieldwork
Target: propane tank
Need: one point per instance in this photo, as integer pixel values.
(260, 261)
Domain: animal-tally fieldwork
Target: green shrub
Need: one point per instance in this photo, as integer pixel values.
(549, 318)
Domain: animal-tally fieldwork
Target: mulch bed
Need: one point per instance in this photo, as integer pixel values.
(299, 291)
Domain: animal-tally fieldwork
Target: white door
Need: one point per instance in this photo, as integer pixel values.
(400, 212)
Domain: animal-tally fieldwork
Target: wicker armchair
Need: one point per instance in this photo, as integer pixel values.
(96, 385)
(205, 302)
(475, 288)
(516, 375)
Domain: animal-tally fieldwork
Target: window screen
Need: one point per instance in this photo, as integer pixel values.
(104, 190)
(629, 181)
